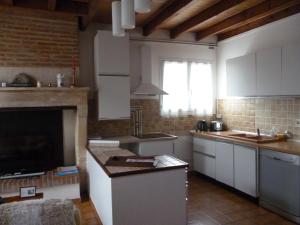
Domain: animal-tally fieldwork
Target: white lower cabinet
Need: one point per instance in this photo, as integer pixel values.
(183, 148)
(245, 169)
(231, 164)
(204, 164)
(152, 148)
(224, 163)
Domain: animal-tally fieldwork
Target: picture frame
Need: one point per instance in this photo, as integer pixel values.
(27, 192)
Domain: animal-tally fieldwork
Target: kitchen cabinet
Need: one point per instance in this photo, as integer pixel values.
(245, 169)
(204, 164)
(111, 54)
(183, 148)
(241, 76)
(224, 163)
(204, 146)
(204, 160)
(113, 97)
(290, 70)
(268, 65)
(151, 148)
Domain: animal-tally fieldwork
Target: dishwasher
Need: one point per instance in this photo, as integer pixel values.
(279, 184)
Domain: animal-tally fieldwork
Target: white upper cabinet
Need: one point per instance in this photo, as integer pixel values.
(241, 76)
(268, 64)
(111, 54)
(113, 97)
(291, 70)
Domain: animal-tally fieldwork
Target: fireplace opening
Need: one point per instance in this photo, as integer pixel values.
(31, 140)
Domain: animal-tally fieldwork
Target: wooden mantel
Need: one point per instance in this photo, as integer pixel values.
(51, 97)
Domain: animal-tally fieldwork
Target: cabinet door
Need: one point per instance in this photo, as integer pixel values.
(290, 70)
(241, 76)
(204, 146)
(184, 148)
(204, 164)
(245, 165)
(152, 148)
(113, 97)
(111, 54)
(268, 64)
(224, 163)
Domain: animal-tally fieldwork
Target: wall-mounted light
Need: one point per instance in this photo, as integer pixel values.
(117, 29)
(127, 14)
(142, 6)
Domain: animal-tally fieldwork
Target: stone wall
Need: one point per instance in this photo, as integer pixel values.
(248, 114)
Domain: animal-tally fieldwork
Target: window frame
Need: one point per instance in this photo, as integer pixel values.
(189, 61)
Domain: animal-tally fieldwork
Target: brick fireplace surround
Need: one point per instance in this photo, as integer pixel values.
(56, 97)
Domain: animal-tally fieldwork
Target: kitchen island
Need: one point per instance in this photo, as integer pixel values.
(137, 195)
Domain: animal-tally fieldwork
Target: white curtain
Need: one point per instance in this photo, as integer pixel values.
(190, 88)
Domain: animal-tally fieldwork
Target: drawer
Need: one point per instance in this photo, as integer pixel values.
(205, 164)
(204, 146)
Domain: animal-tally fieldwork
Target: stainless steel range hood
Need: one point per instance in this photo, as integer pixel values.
(146, 87)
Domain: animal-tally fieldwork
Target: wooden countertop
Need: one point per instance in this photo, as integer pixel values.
(133, 139)
(102, 154)
(290, 146)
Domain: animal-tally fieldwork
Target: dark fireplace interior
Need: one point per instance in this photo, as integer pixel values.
(31, 140)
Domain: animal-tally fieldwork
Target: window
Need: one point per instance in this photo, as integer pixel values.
(189, 86)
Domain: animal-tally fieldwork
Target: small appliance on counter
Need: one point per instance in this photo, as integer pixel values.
(201, 125)
(216, 125)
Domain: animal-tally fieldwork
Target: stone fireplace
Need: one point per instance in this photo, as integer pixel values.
(55, 100)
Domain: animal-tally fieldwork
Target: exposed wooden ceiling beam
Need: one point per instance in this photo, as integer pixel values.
(168, 10)
(203, 16)
(259, 11)
(61, 6)
(7, 2)
(84, 21)
(51, 5)
(263, 21)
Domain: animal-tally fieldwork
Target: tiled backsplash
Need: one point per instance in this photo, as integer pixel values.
(152, 121)
(248, 114)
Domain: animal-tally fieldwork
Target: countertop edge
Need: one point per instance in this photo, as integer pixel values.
(267, 146)
(146, 170)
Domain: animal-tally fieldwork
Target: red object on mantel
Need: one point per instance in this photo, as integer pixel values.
(73, 72)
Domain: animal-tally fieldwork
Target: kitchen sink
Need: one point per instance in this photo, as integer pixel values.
(255, 138)
(155, 135)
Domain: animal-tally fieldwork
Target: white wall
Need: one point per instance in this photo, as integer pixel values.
(159, 51)
(276, 34)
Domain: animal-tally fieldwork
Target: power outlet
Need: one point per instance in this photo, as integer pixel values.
(297, 123)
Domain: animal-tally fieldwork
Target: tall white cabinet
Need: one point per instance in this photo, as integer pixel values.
(111, 54)
(113, 97)
(112, 76)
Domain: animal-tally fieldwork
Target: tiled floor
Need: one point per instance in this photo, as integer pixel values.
(210, 204)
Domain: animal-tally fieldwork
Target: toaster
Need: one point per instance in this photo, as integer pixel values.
(216, 125)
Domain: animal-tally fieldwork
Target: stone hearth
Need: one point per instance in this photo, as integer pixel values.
(56, 97)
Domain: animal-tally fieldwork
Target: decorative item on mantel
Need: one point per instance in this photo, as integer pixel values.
(23, 80)
(74, 81)
(60, 79)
